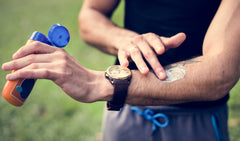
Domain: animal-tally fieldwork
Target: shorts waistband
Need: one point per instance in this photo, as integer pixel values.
(176, 109)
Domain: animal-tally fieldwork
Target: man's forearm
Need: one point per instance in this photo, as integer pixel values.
(96, 29)
(210, 78)
(203, 81)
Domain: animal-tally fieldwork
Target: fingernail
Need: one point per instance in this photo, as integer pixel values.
(125, 64)
(9, 77)
(144, 69)
(5, 66)
(162, 75)
(14, 56)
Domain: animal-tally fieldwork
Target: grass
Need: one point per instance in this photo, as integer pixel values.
(49, 114)
(234, 113)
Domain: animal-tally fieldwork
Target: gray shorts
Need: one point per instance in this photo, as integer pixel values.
(184, 124)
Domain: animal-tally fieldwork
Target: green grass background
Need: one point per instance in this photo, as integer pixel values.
(49, 114)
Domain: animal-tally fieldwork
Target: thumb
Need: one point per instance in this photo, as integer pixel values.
(174, 41)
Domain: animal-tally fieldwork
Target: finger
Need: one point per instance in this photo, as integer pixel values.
(160, 72)
(33, 71)
(25, 61)
(155, 64)
(137, 58)
(151, 58)
(35, 47)
(123, 58)
(174, 41)
(155, 42)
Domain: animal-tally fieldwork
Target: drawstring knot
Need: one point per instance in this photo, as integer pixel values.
(149, 115)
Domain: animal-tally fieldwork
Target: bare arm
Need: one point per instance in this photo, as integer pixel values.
(97, 29)
(214, 73)
(208, 77)
(211, 77)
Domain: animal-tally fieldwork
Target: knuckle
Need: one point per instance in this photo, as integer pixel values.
(152, 37)
(46, 73)
(135, 52)
(36, 44)
(34, 66)
(151, 34)
(65, 71)
(149, 54)
(138, 38)
(61, 54)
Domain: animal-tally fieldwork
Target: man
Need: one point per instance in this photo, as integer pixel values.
(141, 41)
(196, 92)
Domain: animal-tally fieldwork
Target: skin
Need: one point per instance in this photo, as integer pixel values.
(208, 77)
(126, 44)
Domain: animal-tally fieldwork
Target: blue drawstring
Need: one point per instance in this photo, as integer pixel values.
(215, 122)
(149, 115)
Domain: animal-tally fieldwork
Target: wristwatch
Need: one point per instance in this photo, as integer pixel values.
(120, 78)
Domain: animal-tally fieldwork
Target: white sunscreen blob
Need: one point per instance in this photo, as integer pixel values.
(175, 73)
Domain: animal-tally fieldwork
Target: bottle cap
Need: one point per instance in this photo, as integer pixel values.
(58, 35)
(38, 36)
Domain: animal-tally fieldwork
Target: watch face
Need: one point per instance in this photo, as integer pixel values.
(118, 72)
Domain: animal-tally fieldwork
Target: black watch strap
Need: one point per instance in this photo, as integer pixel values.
(120, 94)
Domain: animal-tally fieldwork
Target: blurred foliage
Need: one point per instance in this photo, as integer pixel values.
(49, 114)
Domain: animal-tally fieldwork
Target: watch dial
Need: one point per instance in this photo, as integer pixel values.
(118, 72)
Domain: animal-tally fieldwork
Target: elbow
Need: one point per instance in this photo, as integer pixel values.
(84, 31)
(82, 27)
(222, 86)
(220, 91)
(221, 74)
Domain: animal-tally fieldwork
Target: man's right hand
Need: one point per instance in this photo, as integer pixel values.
(147, 46)
(97, 29)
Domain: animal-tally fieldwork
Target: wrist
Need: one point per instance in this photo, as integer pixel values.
(120, 78)
(104, 89)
